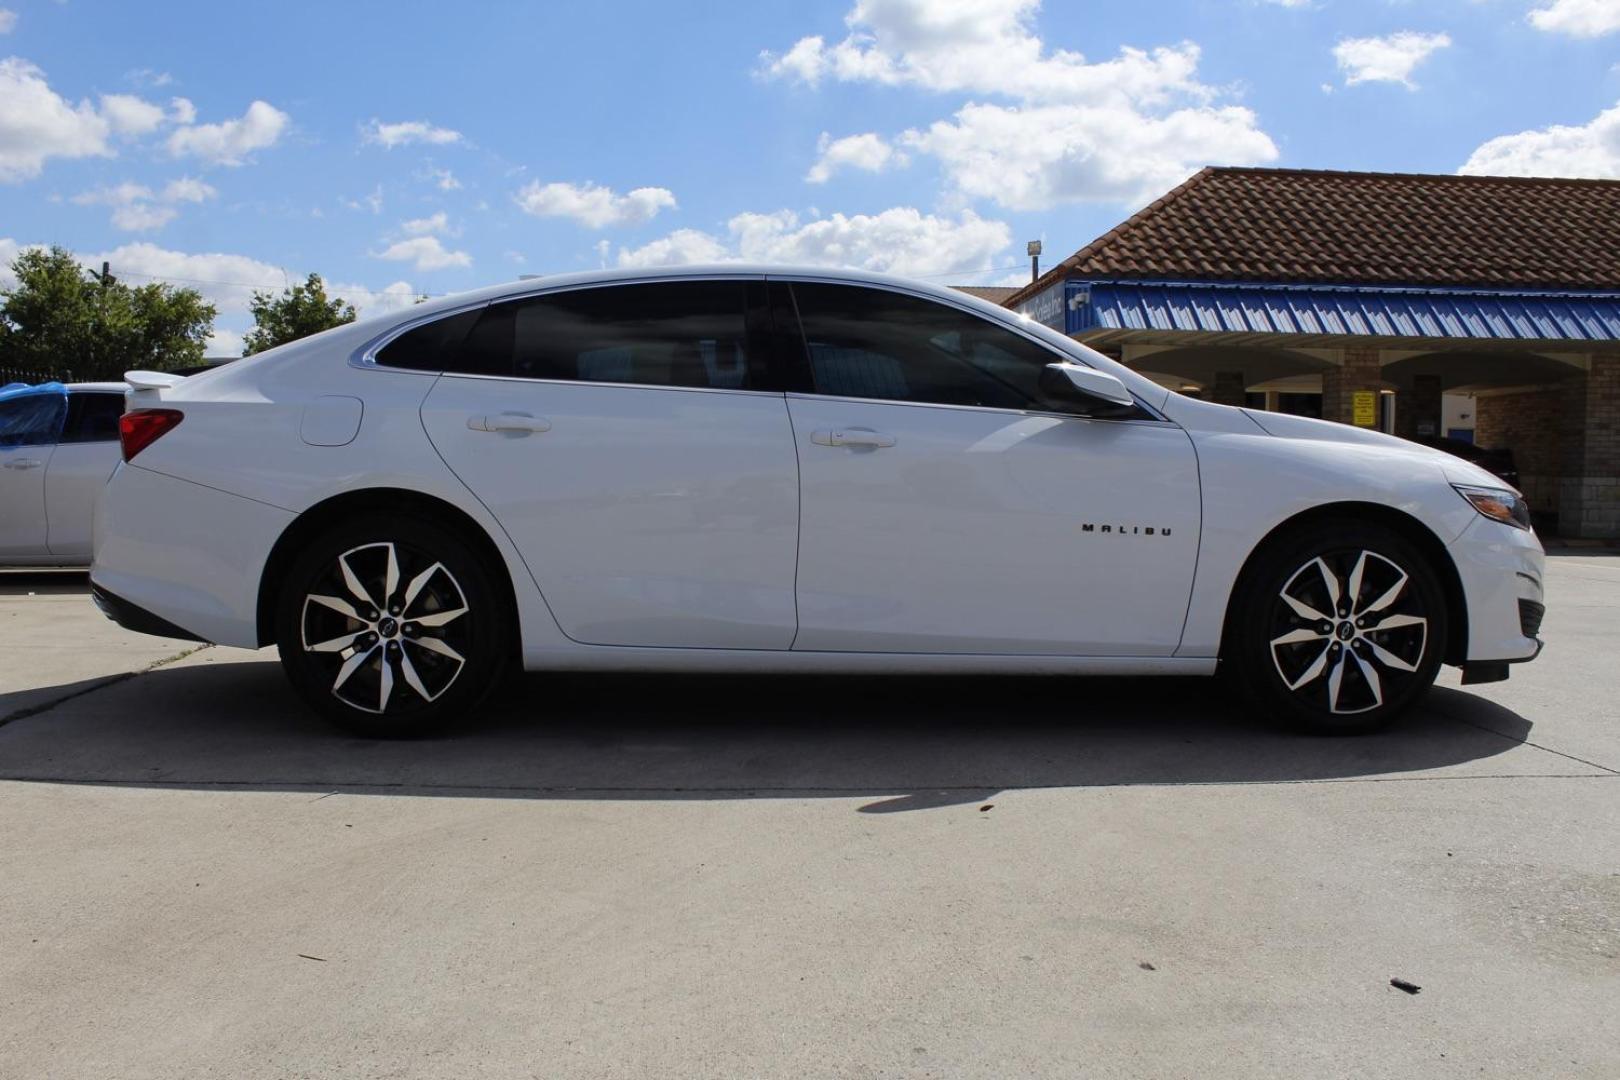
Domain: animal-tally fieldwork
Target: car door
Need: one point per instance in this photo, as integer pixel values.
(622, 437)
(947, 506)
(29, 425)
(84, 457)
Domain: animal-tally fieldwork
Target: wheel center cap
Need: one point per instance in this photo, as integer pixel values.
(1347, 630)
(388, 628)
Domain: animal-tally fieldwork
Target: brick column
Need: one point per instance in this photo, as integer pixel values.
(1589, 496)
(1228, 388)
(1358, 370)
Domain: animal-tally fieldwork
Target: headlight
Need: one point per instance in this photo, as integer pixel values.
(1497, 504)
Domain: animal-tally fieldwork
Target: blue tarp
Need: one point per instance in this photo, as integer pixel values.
(17, 390)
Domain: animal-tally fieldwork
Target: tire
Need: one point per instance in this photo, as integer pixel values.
(379, 671)
(1337, 628)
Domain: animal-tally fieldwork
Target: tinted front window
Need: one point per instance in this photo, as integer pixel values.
(93, 417)
(32, 420)
(677, 333)
(871, 343)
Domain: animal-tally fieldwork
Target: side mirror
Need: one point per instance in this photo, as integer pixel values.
(1076, 384)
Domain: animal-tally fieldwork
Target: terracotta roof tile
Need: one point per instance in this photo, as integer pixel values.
(1308, 226)
(993, 293)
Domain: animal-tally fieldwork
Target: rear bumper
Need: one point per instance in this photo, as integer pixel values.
(1502, 572)
(133, 617)
(182, 556)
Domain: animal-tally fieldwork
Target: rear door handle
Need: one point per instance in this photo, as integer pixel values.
(864, 438)
(506, 421)
(24, 463)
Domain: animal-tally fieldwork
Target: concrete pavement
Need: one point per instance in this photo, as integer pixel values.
(648, 877)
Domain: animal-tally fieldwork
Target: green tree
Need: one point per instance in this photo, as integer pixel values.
(299, 311)
(60, 317)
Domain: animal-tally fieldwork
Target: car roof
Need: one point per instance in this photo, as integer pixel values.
(97, 387)
(546, 282)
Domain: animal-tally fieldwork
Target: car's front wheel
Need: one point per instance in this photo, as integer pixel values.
(391, 626)
(1338, 628)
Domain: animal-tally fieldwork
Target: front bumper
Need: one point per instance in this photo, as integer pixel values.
(1502, 570)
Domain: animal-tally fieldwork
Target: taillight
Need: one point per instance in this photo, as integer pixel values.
(139, 429)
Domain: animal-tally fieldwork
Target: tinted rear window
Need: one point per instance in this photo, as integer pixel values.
(436, 346)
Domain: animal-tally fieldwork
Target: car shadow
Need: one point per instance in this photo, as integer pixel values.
(909, 743)
(43, 582)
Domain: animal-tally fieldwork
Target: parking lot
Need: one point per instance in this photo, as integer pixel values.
(648, 877)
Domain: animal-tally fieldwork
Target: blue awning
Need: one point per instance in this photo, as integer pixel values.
(1322, 312)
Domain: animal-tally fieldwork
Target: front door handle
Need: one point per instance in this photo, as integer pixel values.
(507, 421)
(24, 463)
(864, 438)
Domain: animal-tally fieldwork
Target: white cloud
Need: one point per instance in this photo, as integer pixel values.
(149, 77)
(130, 115)
(1034, 157)
(407, 132)
(372, 201)
(1578, 18)
(231, 141)
(900, 240)
(226, 280)
(223, 342)
(426, 253)
(136, 208)
(443, 179)
(37, 124)
(990, 47)
(869, 152)
(1386, 59)
(188, 189)
(1591, 149)
(436, 223)
(142, 217)
(9, 250)
(368, 301)
(8, 20)
(592, 205)
(182, 111)
(679, 248)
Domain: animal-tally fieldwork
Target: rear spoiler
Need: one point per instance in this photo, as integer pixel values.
(146, 387)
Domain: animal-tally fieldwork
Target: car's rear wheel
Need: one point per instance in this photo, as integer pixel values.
(391, 627)
(1338, 628)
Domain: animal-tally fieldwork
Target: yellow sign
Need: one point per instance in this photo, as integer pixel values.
(1364, 408)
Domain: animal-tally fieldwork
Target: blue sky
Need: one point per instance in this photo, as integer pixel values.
(407, 148)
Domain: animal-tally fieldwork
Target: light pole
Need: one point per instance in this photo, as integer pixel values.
(1034, 249)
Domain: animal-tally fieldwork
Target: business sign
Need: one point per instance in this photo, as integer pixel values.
(1062, 306)
(1364, 408)
(1047, 307)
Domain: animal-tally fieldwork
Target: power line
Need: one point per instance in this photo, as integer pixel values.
(239, 284)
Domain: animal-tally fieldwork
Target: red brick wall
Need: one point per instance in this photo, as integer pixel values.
(1528, 423)
(1359, 371)
(1590, 500)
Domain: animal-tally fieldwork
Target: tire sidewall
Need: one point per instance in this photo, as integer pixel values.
(487, 657)
(1251, 629)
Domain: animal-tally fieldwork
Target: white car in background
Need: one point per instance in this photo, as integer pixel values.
(58, 445)
(775, 470)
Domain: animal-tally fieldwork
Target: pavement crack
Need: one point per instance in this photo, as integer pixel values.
(99, 684)
(1527, 742)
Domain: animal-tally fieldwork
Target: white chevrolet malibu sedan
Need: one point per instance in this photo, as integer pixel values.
(778, 470)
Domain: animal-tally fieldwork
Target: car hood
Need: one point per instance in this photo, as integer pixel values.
(1457, 470)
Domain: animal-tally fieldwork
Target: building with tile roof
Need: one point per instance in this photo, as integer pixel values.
(1483, 308)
